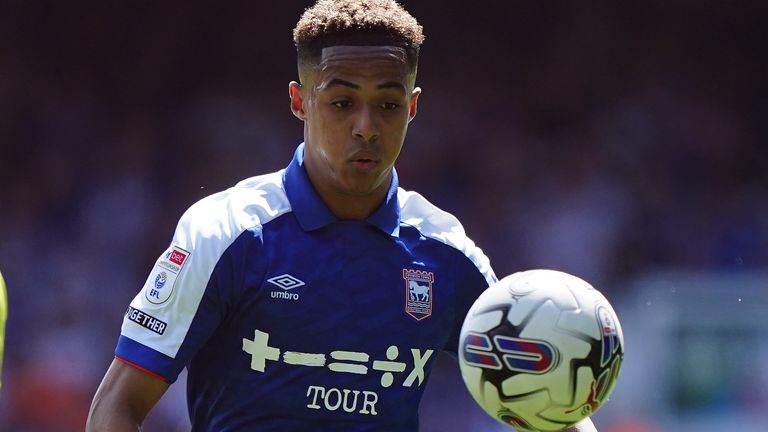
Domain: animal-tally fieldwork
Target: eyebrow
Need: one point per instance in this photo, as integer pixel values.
(383, 86)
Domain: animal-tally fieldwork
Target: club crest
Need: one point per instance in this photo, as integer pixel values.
(418, 293)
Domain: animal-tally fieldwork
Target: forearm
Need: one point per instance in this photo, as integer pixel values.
(123, 400)
(105, 415)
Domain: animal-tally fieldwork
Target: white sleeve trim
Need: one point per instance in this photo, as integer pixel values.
(206, 230)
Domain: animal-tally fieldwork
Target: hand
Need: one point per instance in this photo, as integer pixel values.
(585, 425)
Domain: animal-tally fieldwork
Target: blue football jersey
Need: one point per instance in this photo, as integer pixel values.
(289, 319)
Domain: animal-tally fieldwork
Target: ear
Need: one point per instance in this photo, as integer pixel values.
(297, 101)
(413, 104)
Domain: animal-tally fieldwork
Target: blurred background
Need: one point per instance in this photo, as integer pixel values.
(624, 142)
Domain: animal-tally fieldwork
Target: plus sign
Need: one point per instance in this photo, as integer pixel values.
(260, 350)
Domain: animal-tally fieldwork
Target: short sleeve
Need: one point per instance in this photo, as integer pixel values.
(183, 299)
(197, 278)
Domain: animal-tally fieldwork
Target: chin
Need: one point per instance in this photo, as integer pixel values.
(359, 191)
(361, 188)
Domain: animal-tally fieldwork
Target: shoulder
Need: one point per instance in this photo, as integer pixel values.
(249, 204)
(439, 225)
(430, 220)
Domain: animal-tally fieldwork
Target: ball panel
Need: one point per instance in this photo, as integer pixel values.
(578, 325)
(483, 322)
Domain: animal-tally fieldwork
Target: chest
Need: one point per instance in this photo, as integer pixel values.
(353, 287)
(339, 324)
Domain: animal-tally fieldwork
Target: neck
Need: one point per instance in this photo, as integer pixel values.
(358, 208)
(347, 206)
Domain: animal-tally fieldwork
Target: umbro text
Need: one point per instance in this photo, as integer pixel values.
(285, 295)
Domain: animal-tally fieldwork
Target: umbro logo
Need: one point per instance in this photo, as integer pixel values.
(286, 282)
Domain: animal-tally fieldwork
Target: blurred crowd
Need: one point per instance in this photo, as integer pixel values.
(604, 140)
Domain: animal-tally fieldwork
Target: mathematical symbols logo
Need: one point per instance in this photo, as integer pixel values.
(418, 293)
(286, 282)
(410, 364)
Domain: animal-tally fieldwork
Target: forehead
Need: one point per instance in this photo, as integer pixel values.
(363, 63)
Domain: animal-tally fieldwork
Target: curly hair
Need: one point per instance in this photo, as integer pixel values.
(356, 22)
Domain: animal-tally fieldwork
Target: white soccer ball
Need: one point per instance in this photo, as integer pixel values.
(541, 350)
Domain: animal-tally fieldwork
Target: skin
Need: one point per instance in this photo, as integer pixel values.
(123, 399)
(356, 105)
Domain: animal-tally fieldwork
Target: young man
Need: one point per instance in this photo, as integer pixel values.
(317, 297)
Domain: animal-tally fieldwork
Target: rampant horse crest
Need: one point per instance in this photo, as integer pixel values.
(418, 293)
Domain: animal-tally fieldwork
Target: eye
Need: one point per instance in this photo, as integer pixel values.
(343, 103)
(390, 106)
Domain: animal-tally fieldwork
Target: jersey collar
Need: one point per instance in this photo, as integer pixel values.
(311, 211)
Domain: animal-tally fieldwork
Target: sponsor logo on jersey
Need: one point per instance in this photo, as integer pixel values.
(169, 266)
(349, 400)
(177, 255)
(162, 280)
(418, 293)
(397, 366)
(286, 282)
(145, 320)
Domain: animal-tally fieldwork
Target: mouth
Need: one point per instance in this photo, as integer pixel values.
(364, 164)
(364, 160)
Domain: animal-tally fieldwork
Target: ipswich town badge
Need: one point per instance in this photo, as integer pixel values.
(418, 293)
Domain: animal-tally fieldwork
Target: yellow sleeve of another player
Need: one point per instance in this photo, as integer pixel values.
(3, 316)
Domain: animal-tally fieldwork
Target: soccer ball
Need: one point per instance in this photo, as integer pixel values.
(540, 350)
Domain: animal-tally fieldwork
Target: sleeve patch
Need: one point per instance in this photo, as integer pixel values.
(162, 279)
(146, 320)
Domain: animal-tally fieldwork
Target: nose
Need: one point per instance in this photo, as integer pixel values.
(365, 127)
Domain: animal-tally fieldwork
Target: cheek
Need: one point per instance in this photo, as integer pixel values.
(397, 127)
(323, 135)
(326, 135)
(397, 122)
(327, 121)
(317, 123)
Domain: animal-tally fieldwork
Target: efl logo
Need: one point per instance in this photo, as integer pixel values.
(159, 289)
(178, 255)
(418, 293)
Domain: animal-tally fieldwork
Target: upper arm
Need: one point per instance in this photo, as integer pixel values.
(124, 398)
